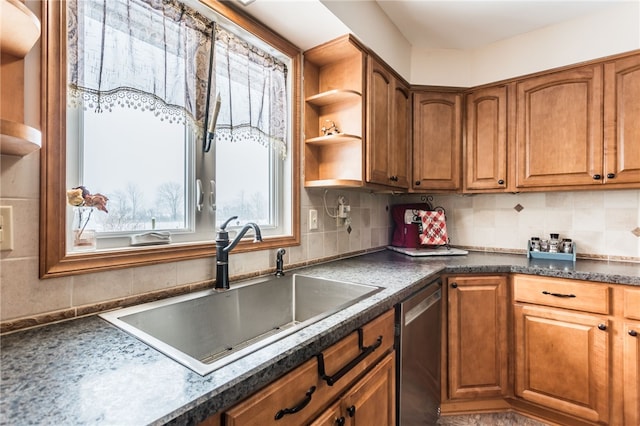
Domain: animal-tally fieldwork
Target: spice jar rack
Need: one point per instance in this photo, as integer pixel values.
(539, 254)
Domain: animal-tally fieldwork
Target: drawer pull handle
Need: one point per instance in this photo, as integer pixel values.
(307, 399)
(633, 333)
(558, 294)
(365, 351)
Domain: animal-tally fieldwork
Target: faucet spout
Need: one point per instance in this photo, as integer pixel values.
(223, 247)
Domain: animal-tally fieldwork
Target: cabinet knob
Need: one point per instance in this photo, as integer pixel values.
(597, 177)
(351, 411)
(340, 421)
(417, 183)
(602, 326)
(501, 182)
(633, 333)
(454, 285)
(611, 175)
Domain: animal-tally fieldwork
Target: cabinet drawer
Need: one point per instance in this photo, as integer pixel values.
(561, 293)
(632, 303)
(304, 385)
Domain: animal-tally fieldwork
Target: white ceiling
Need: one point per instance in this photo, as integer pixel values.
(469, 24)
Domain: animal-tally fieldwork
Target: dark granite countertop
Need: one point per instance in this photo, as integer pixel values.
(86, 371)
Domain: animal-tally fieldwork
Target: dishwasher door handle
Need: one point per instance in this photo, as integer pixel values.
(365, 351)
(421, 307)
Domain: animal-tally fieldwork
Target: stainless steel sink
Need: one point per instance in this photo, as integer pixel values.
(209, 329)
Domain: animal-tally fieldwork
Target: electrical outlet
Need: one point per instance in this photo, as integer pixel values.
(313, 219)
(6, 228)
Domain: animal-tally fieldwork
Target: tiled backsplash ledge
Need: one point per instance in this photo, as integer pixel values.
(17, 324)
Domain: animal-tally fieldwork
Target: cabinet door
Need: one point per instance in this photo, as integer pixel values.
(486, 142)
(371, 401)
(621, 115)
(477, 337)
(379, 99)
(559, 129)
(437, 140)
(562, 361)
(631, 373)
(400, 146)
(333, 416)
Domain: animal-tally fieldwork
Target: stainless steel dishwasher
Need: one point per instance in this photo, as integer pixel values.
(419, 323)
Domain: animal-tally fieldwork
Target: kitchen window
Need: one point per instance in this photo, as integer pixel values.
(153, 159)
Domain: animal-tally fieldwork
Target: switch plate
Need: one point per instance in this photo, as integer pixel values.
(6, 228)
(313, 219)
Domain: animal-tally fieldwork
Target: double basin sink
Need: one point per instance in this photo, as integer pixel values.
(209, 329)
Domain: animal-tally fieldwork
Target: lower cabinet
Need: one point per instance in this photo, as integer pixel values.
(352, 380)
(631, 357)
(370, 402)
(564, 345)
(477, 337)
(562, 361)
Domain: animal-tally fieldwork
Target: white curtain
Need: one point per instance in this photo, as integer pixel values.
(251, 85)
(145, 54)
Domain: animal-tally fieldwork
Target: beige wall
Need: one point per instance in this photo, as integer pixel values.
(608, 32)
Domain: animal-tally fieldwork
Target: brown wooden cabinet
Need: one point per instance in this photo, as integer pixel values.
(370, 402)
(577, 128)
(559, 128)
(334, 83)
(388, 126)
(562, 350)
(631, 356)
(477, 361)
(621, 115)
(437, 140)
(20, 31)
(303, 395)
(486, 143)
(372, 143)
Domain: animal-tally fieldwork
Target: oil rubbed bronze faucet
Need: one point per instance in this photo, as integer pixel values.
(223, 247)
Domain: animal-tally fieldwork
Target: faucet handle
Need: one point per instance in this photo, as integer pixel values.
(224, 225)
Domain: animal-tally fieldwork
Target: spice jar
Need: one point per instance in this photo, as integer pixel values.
(535, 244)
(566, 245)
(554, 243)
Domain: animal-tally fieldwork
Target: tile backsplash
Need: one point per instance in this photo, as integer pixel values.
(604, 224)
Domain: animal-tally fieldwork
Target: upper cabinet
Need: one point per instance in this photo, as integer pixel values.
(577, 128)
(357, 119)
(334, 81)
(19, 31)
(559, 128)
(485, 152)
(621, 116)
(437, 140)
(388, 126)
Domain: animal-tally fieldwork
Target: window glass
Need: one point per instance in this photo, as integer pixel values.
(152, 167)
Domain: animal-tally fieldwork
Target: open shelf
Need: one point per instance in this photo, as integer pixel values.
(333, 97)
(19, 28)
(334, 183)
(331, 139)
(18, 139)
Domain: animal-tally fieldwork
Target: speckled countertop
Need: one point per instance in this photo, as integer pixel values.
(86, 371)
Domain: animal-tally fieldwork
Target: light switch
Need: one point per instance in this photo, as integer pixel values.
(6, 228)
